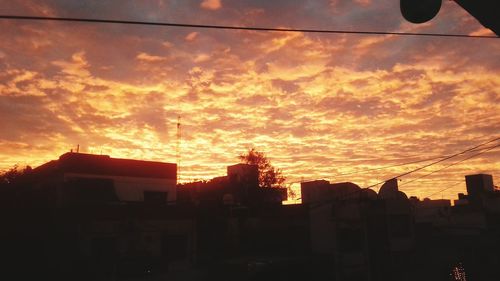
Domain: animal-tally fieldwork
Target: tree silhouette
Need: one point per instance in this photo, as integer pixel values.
(269, 177)
(14, 176)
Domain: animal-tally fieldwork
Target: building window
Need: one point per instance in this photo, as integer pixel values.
(155, 197)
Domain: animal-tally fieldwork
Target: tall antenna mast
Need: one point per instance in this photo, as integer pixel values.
(178, 148)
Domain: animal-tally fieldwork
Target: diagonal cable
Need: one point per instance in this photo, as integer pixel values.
(249, 28)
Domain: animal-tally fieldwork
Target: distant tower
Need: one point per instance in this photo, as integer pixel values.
(178, 148)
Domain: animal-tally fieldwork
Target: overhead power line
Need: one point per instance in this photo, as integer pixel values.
(457, 162)
(452, 164)
(439, 161)
(454, 155)
(380, 168)
(389, 166)
(444, 189)
(249, 28)
(375, 169)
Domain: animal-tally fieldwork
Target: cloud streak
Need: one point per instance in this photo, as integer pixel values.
(211, 4)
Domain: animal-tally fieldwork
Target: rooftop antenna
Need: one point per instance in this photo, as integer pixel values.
(178, 148)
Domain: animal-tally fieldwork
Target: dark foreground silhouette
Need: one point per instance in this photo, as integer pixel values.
(92, 217)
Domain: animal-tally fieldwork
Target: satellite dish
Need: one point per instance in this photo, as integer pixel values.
(419, 11)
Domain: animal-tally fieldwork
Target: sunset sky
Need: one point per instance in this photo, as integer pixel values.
(318, 105)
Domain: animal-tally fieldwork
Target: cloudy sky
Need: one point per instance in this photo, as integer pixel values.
(318, 105)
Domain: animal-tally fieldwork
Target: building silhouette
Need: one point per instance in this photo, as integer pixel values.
(239, 187)
(94, 217)
(78, 178)
(366, 235)
(99, 218)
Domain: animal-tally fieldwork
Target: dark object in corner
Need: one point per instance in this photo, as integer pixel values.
(420, 11)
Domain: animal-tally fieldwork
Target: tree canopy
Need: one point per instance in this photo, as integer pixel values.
(13, 176)
(269, 176)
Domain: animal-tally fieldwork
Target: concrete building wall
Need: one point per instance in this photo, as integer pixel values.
(479, 183)
(322, 231)
(314, 191)
(131, 189)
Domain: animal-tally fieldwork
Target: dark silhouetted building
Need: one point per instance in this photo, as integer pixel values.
(479, 186)
(239, 187)
(78, 178)
(363, 235)
(93, 217)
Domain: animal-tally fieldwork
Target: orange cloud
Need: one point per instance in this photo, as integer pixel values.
(482, 32)
(191, 36)
(149, 58)
(319, 105)
(363, 2)
(211, 4)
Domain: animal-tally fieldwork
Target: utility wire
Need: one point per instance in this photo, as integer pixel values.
(436, 162)
(444, 189)
(454, 155)
(455, 163)
(452, 164)
(373, 169)
(389, 166)
(249, 28)
(378, 168)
